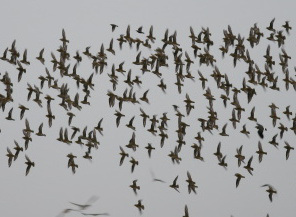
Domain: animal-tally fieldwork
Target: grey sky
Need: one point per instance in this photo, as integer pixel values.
(50, 186)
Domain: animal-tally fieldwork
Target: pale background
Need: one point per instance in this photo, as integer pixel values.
(49, 187)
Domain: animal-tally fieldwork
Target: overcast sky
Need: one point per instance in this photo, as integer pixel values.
(50, 185)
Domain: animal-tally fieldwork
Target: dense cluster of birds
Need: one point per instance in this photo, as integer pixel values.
(234, 45)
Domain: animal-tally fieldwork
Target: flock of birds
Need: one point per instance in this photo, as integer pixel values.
(234, 45)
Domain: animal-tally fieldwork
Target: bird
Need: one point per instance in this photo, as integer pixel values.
(139, 30)
(252, 116)
(144, 116)
(273, 141)
(29, 164)
(282, 130)
(245, 131)
(71, 115)
(271, 190)
(134, 162)
(9, 117)
(191, 184)
(119, 116)
(40, 133)
(71, 159)
(130, 124)
(144, 97)
(10, 156)
(287, 27)
(248, 167)
(40, 57)
(223, 133)
(88, 203)
(64, 38)
(17, 149)
(99, 127)
(222, 162)
(154, 179)
(260, 152)
(73, 166)
(113, 27)
(28, 128)
(23, 110)
(239, 156)
(140, 206)
(175, 185)
(135, 187)
(287, 112)
(218, 153)
(238, 178)
(123, 156)
(149, 147)
(260, 130)
(288, 148)
(270, 27)
(110, 49)
(150, 36)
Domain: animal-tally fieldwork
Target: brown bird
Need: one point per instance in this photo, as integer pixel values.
(71, 115)
(118, 117)
(274, 142)
(149, 147)
(17, 149)
(9, 117)
(99, 127)
(191, 184)
(140, 206)
(23, 109)
(123, 155)
(29, 164)
(40, 57)
(175, 185)
(135, 187)
(260, 152)
(110, 49)
(252, 115)
(245, 131)
(10, 157)
(249, 167)
(113, 27)
(144, 116)
(271, 190)
(270, 27)
(287, 26)
(288, 149)
(218, 153)
(39, 133)
(260, 130)
(238, 178)
(239, 156)
(139, 30)
(130, 124)
(287, 112)
(64, 38)
(134, 163)
(222, 162)
(223, 133)
(144, 97)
